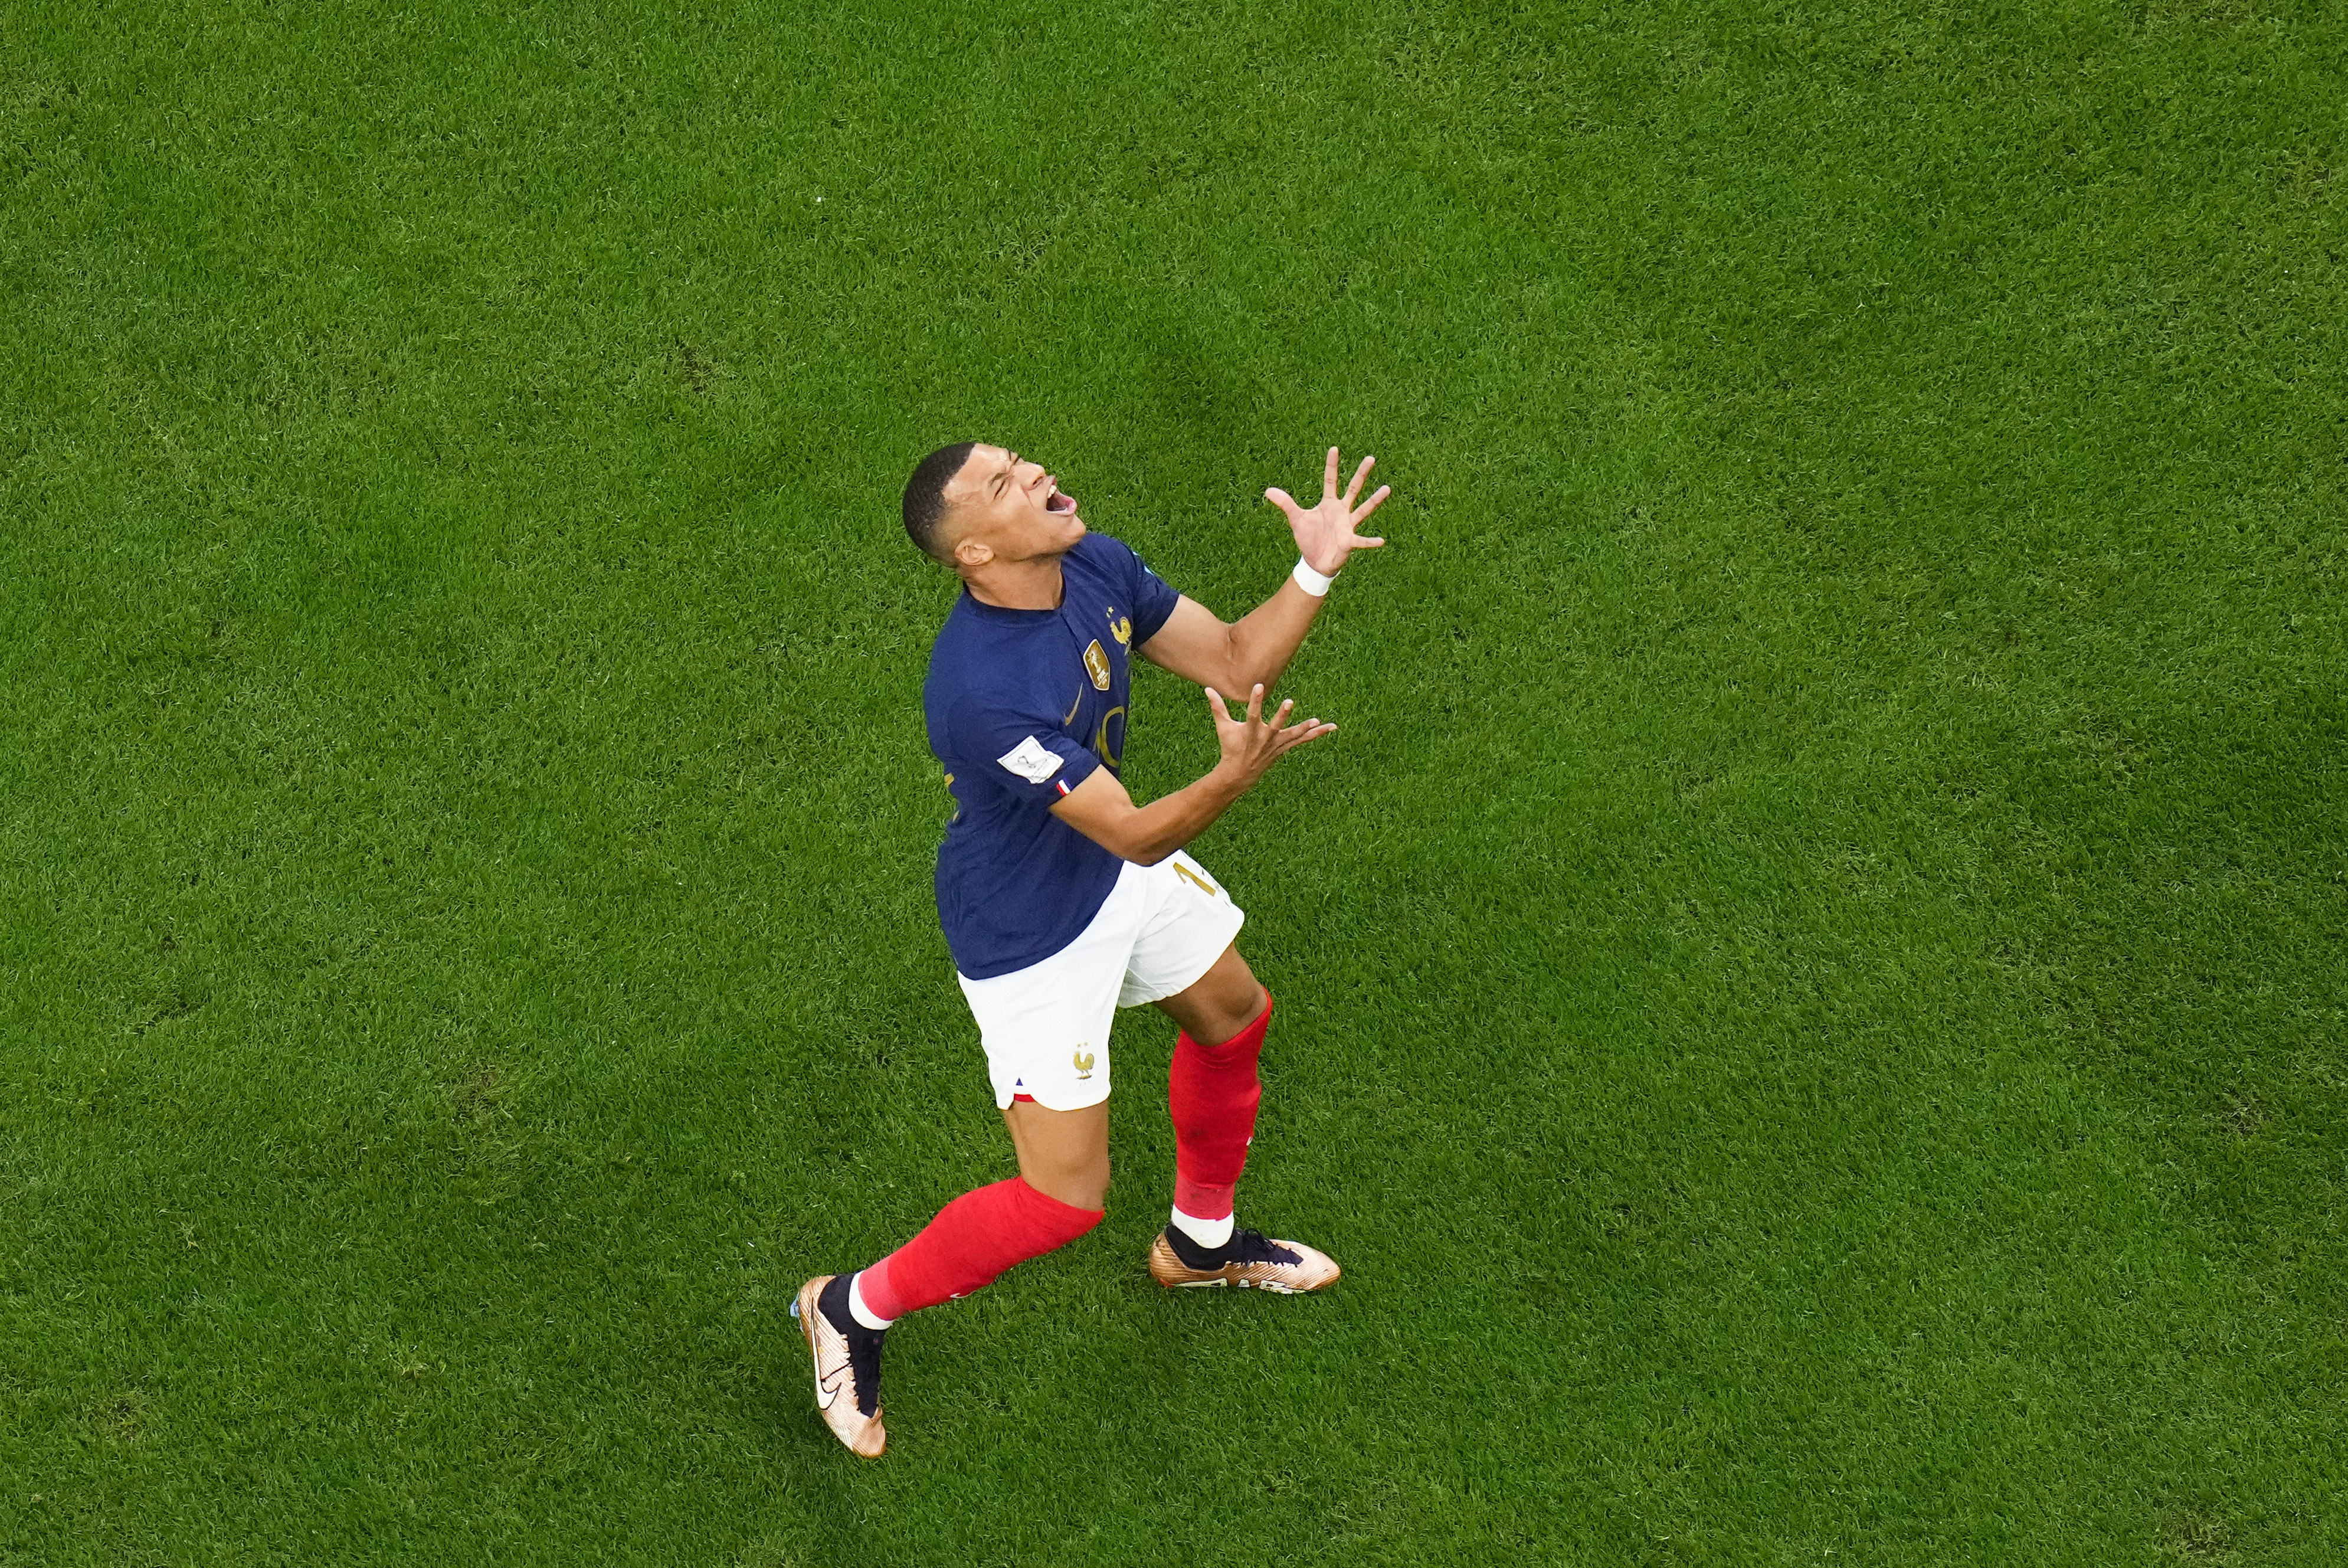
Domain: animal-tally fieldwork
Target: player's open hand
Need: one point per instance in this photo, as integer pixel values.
(1253, 743)
(1327, 533)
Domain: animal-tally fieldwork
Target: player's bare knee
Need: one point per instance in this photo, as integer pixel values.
(1079, 1187)
(1220, 1003)
(1238, 1005)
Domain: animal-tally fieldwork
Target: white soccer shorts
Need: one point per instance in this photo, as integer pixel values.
(1044, 1028)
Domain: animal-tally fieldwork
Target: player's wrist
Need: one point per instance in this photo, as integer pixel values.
(1312, 579)
(1229, 776)
(1232, 778)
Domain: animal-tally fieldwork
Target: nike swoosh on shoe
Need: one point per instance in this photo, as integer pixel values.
(862, 1435)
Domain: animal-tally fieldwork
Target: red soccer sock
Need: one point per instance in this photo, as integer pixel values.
(1213, 1092)
(973, 1240)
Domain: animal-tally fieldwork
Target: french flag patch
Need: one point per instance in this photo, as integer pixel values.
(1061, 785)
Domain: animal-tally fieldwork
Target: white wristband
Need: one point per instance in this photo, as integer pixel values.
(1312, 582)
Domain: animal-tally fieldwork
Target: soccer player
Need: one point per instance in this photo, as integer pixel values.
(1062, 900)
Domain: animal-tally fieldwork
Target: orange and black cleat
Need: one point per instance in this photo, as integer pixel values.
(846, 1366)
(1248, 1261)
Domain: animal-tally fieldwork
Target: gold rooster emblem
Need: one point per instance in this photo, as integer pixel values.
(1083, 1060)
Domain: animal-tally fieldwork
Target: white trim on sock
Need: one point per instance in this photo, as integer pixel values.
(859, 1311)
(1209, 1233)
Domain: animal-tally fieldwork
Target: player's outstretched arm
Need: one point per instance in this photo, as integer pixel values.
(1256, 648)
(1102, 811)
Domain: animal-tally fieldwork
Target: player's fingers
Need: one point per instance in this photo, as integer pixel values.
(1255, 705)
(1215, 701)
(1360, 474)
(1313, 730)
(1280, 714)
(1329, 475)
(1377, 498)
(1284, 502)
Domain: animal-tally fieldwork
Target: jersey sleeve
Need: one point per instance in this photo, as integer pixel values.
(1153, 600)
(1021, 753)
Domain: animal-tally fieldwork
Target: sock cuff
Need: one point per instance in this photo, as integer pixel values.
(1050, 1210)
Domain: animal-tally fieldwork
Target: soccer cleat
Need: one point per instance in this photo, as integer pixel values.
(847, 1368)
(1249, 1261)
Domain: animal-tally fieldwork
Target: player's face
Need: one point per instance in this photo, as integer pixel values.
(1011, 506)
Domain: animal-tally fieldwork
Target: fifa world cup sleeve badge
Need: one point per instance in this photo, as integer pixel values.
(1030, 761)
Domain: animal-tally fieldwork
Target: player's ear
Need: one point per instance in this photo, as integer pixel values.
(972, 553)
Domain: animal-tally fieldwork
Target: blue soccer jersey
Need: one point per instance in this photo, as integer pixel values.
(1022, 706)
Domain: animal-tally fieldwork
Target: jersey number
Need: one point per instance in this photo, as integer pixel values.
(1100, 738)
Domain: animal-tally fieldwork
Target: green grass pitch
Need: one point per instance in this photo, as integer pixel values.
(1812, 976)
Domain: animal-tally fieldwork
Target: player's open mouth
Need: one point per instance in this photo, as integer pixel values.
(1060, 502)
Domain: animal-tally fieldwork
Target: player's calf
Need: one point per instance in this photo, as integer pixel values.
(1212, 1093)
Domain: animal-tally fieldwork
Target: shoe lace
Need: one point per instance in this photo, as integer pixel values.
(864, 1362)
(1255, 1247)
(863, 1346)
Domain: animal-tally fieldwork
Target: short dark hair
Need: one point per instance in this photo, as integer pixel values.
(925, 497)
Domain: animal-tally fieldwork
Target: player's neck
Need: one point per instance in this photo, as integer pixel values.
(1032, 584)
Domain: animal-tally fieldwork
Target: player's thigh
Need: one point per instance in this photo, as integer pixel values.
(1045, 1027)
(1046, 1030)
(1186, 937)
